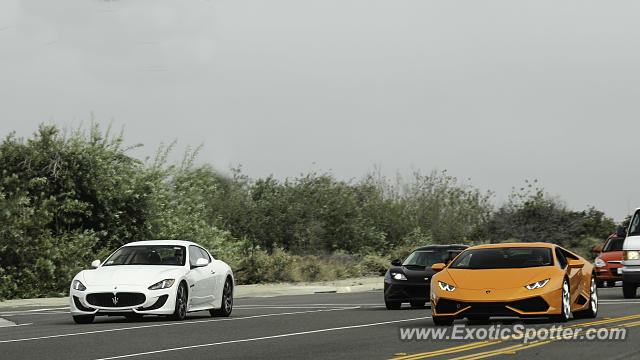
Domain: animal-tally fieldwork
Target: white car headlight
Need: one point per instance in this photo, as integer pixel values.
(77, 285)
(537, 284)
(600, 263)
(164, 284)
(445, 286)
(631, 255)
(398, 276)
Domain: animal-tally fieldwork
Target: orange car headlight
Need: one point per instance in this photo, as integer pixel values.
(537, 284)
(445, 286)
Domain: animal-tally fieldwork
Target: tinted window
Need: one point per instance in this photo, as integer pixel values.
(614, 244)
(427, 257)
(562, 261)
(503, 258)
(147, 255)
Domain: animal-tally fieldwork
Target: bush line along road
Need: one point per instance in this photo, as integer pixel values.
(82, 194)
(316, 326)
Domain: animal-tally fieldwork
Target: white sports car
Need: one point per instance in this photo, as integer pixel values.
(159, 277)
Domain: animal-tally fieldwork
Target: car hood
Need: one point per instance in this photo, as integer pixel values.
(611, 255)
(497, 278)
(130, 274)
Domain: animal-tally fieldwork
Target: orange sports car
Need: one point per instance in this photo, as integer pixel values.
(517, 279)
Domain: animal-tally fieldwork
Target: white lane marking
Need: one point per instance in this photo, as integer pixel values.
(284, 307)
(262, 338)
(247, 305)
(14, 325)
(38, 314)
(618, 302)
(166, 324)
(32, 311)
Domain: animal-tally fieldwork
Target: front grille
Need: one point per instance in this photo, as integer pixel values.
(122, 299)
(534, 304)
(417, 291)
(446, 306)
(490, 308)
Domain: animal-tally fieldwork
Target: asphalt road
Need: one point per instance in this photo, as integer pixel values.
(320, 326)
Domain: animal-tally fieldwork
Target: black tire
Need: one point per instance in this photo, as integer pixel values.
(592, 309)
(227, 301)
(629, 290)
(83, 319)
(600, 283)
(182, 297)
(611, 283)
(134, 317)
(392, 305)
(417, 304)
(442, 320)
(566, 303)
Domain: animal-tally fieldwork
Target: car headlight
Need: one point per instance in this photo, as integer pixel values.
(631, 255)
(600, 263)
(398, 276)
(445, 286)
(537, 284)
(164, 284)
(77, 285)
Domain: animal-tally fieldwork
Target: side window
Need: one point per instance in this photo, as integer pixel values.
(634, 226)
(562, 261)
(204, 254)
(194, 254)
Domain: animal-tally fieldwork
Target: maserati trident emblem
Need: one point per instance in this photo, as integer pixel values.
(114, 299)
(488, 291)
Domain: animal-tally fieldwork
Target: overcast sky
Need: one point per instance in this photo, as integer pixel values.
(494, 91)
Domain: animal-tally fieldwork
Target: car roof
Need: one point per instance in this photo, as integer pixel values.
(441, 246)
(516, 244)
(162, 242)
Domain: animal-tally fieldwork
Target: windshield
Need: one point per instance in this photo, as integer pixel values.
(504, 258)
(148, 255)
(614, 244)
(634, 227)
(427, 257)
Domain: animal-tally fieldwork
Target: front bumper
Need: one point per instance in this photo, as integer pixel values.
(90, 302)
(497, 302)
(406, 290)
(631, 274)
(609, 273)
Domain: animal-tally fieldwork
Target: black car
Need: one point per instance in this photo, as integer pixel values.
(409, 280)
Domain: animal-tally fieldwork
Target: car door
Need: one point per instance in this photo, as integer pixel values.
(209, 280)
(197, 278)
(574, 274)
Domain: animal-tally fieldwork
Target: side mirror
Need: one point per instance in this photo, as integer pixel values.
(438, 266)
(396, 262)
(200, 263)
(597, 249)
(575, 264)
(95, 263)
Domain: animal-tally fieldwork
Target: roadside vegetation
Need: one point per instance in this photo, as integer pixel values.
(69, 198)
